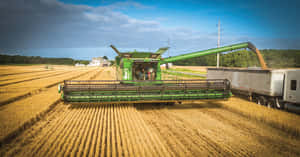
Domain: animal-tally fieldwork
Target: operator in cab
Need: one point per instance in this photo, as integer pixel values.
(150, 73)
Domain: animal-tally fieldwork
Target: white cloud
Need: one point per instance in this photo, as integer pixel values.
(34, 24)
(96, 17)
(53, 24)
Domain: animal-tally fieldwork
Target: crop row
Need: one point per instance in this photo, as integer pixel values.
(14, 115)
(90, 130)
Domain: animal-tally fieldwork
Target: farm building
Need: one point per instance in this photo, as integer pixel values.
(79, 65)
(99, 61)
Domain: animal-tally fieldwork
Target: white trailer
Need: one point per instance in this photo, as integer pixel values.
(275, 88)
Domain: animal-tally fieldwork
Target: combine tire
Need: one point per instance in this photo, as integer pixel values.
(170, 104)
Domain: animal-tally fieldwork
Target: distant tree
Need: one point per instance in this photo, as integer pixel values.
(112, 62)
(105, 57)
(17, 59)
(84, 62)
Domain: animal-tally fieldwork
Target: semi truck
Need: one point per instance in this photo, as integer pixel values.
(278, 88)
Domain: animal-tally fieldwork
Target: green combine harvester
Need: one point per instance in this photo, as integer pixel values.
(139, 80)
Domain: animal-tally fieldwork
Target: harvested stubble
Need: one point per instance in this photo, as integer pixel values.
(288, 122)
(26, 75)
(89, 130)
(16, 114)
(21, 79)
(13, 91)
(202, 128)
(205, 128)
(12, 70)
(190, 129)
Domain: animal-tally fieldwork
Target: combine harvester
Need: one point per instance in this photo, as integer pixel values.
(139, 80)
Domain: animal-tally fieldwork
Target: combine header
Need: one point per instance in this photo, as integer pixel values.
(139, 81)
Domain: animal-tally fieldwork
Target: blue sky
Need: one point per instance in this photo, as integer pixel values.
(83, 29)
(260, 18)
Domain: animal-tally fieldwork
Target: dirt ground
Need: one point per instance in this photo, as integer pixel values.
(201, 128)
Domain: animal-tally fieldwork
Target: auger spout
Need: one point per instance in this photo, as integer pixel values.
(219, 50)
(162, 50)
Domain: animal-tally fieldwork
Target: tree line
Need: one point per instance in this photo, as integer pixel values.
(243, 58)
(17, 59)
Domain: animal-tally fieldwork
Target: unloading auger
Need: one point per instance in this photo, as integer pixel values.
(139, 80)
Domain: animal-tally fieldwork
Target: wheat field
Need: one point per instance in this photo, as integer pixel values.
(39, 124)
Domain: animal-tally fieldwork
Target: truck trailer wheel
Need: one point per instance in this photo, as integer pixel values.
(261, 100)
(279, 104)
(258, 101)
(271, 104)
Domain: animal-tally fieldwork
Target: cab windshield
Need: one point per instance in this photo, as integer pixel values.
(144, 70)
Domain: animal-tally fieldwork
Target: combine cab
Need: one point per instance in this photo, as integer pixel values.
(139, 81)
